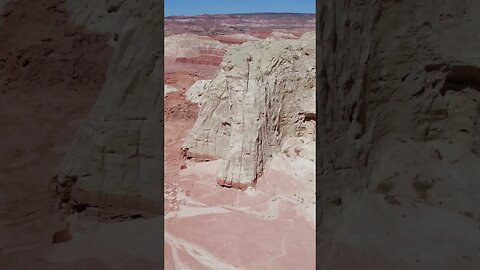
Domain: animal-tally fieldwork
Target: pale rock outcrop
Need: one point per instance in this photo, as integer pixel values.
(196, 93)
(168, 89)
(278, 34)
(257, 99)
(114, 162)
(244, 36)
(189, 45)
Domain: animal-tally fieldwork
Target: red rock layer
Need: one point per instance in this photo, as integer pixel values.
(261, 33)
(210, 51)
(201, 60)
(184, 75)
(177, 107)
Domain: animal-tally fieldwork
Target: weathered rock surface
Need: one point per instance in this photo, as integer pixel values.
(255, 101)
(196, 93)
(169, 89)
(113, 163)
(109, 184)
(398, 134)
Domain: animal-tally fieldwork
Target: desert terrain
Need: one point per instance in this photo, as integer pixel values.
(210, 223)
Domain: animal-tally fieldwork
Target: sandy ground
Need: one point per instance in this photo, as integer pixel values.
(224, 228)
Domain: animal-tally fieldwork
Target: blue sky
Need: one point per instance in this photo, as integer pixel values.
(197, 7)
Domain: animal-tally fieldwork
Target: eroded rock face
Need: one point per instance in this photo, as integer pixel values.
(196, 93)
(168, 89)
(114, 160)
(261, 95)
(398, 130)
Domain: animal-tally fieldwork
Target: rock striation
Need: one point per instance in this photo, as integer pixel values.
(113, 163)
(262, 94)
(196, 93)
(398, 120)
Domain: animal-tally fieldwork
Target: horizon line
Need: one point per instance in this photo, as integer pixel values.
(244, 13)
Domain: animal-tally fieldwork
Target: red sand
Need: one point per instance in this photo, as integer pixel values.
(234, 228)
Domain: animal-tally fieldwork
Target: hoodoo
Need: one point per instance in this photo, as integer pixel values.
(263, 94)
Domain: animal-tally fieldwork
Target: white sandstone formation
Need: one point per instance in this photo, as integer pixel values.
(283, 35)
(112, 165)
(262, 95)
(168, 89)
(196, 93)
